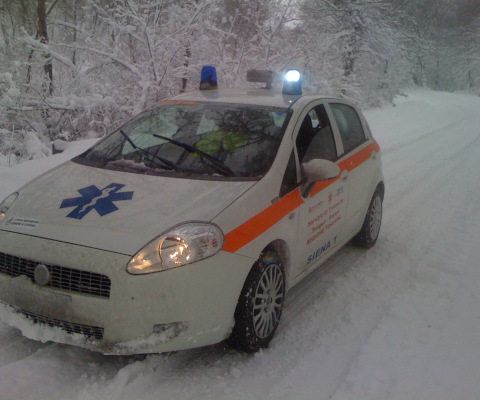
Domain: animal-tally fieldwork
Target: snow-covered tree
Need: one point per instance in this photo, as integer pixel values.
(79, 68)
(355, 48)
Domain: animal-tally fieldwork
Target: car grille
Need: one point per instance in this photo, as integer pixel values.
(64, 278)
(92, 332)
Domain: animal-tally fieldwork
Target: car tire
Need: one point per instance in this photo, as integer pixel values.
(368, 235)
(260, 305)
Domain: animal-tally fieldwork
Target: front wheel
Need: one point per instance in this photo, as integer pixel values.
(371, 226)
(260, 305)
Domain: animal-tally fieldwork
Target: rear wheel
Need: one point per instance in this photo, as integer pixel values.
(260, 305)
(368, 235)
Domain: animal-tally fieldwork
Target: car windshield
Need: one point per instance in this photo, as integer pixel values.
(194, 138)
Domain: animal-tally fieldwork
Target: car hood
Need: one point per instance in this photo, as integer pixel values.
(112, 210)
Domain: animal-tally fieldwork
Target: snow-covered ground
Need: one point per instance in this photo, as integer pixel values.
(398, 321)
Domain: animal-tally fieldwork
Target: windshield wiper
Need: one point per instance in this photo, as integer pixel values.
(217, 164)
(150, 157)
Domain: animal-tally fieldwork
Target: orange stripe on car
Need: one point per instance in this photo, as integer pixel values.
(360, 157)
(263, 221)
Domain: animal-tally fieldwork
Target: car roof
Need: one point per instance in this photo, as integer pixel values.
(254, 96)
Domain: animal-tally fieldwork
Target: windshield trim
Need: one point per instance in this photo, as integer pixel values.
(165, 173)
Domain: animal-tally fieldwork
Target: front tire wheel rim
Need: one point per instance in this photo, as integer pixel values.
(375, 217)
(268, 301)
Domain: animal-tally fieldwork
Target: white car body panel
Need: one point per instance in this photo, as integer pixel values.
(157, 204)
(136, 303)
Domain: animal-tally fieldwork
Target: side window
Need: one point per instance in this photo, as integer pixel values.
(349, 125)
(315, 138)
(290, 178)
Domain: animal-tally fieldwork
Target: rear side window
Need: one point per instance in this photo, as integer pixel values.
(349, 125)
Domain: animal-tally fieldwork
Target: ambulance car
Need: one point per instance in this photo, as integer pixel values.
(189, 224)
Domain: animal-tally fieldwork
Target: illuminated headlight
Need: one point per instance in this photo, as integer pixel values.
(6, 204)
(183, 244)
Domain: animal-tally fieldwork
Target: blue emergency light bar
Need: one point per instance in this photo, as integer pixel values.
(292, 80)
(208, 78)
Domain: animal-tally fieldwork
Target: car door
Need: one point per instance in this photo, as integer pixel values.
(322, 214)
(357, 161)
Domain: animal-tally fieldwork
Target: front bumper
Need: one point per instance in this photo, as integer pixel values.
(185, 307)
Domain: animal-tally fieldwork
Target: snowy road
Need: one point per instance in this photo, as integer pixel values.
(399, 321)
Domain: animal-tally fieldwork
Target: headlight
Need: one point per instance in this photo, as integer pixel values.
(181, 245)
(6, 204)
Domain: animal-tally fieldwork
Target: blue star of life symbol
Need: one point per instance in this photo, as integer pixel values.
(93, 198)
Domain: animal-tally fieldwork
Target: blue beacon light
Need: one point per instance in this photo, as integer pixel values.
(208, 78)
(292, 82)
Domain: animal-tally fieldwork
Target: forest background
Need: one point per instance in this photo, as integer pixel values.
(73, 69)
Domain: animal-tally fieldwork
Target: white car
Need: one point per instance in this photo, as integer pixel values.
(189, 225)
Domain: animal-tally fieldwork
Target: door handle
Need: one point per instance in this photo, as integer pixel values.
(344, 175)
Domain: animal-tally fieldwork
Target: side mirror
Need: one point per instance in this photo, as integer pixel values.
(317, 170)
(320, 170)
